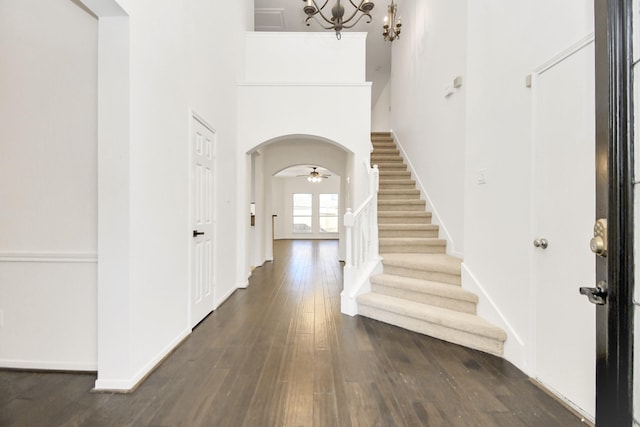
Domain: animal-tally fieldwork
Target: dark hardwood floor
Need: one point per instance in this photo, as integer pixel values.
(280, 354)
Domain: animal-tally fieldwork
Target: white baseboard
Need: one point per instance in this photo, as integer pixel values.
(223, 298)
(435, 219)
(41, 365)
(348, 304)
(514, 346)
(129, 384)
(244, 285)
(572, 406)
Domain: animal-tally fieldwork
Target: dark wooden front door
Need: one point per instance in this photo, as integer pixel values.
(614, 202)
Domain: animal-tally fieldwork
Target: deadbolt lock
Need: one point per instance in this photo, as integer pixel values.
(598, 243)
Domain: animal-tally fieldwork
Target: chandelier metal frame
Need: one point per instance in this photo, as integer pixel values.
(337, 21)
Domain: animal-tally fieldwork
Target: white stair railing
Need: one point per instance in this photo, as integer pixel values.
(362, 257)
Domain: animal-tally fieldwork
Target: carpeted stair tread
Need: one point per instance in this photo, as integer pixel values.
(444, 295)
(424, 286)
(408, 227)
(427, 241)
(390, 184)
(404, 217)
(386, 150)
(441, 263)
(404, 192)
(412, 245)
(394, 174)
(394, 202)
(448, 325)
(390, 165)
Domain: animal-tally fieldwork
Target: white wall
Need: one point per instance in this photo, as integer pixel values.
(429, 127)
(484, 125)
(497, 214)
(48, 185)
(381, 111)
(161, 60)
(179, 63)
(305, 58)
(296, 97)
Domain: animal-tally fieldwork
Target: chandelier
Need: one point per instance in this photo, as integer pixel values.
(337, 21)
(390, 34)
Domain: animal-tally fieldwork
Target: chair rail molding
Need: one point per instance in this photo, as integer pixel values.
(49, 257)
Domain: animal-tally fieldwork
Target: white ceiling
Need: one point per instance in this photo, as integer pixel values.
(300, 170)
(288, 15)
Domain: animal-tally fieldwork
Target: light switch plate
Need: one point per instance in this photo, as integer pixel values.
(481, 176)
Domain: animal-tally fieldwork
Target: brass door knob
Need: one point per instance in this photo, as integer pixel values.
(541, 243)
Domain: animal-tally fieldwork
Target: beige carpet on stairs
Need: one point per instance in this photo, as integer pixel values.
(420, 287)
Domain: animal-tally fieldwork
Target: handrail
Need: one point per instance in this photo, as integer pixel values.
(361, 244)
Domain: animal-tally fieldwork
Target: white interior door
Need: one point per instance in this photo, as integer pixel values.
(202, 221)
(563, 215)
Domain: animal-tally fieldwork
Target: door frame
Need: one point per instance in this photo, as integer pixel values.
(536, 77)
(193, 115)
(614, 201)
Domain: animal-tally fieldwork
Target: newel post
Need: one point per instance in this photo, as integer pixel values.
(347, 302)
(375, 186)
(348, 223)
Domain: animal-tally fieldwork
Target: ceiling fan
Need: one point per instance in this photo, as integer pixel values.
(315, 176)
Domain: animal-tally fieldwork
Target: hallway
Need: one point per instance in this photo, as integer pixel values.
(280, 353)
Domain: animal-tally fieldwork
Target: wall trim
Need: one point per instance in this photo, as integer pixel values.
(41, 365)
(305, 35)
(514, 346)
(574, 48)
(451, 247)
(219, 301)
(301, 84)
(127, 385)
(49, 257)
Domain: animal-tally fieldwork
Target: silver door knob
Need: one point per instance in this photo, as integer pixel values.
(541, 243)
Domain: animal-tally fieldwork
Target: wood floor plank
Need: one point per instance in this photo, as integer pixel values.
(281, 353)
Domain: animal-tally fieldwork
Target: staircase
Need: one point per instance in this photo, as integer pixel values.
(420, 286)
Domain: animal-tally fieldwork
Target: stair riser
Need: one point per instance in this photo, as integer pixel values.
(400, 207)
(383, 143)
(488, 345)
(391, 174)
(398, 166)
(395, 168)
(424, 298)
(411, 249)
(385, 152)
(404, 220)
(433, 276)
(408, 233)
(386, 159)
(397, 186)
(398, 196)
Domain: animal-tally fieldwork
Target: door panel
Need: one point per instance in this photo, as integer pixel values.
(203, 222)
(563, 206)
(614, 201)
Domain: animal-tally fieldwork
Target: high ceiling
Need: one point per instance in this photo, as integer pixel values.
(288, 15)
(302, 171)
